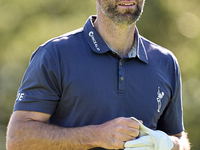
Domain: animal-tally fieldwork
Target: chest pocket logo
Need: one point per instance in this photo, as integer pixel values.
(159, 98)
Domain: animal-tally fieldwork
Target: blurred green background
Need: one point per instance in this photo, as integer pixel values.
(25, 24)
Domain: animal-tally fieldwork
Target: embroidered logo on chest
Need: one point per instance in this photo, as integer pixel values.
(159, 98)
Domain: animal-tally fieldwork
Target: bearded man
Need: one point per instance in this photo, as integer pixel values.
(87, 89)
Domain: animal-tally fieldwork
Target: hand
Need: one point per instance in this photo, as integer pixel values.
(113, 134)
(149, 140)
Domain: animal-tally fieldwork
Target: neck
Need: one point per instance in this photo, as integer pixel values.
(118, 37)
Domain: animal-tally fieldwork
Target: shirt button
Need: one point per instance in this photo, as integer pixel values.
(122, 78)
(120, 63)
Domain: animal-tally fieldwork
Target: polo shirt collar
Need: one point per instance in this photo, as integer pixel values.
(98, 45)
(93, 38)
(141, 50)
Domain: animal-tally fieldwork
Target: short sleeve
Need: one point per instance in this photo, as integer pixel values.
(171, 121)
(40, 87)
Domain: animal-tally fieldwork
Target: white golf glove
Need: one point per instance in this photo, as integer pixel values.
(149, 140)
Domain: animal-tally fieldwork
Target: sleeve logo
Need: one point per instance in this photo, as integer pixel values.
(20, 96)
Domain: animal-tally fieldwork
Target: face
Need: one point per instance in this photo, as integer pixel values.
(122, 11)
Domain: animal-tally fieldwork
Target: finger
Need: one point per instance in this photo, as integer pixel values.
(128, 126)
(140, 142)
(133, 123)
(126, 130)
(133, 132)
(133, 118)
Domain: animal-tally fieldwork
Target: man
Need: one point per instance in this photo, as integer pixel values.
(81, 88)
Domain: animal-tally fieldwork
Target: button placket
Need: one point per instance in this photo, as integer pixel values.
(121, 86)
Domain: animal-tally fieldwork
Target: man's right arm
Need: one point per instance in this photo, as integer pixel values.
(30, 130)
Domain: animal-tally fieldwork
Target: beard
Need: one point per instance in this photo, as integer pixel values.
(126, 17)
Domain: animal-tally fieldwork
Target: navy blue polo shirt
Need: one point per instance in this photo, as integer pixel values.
(79, 81)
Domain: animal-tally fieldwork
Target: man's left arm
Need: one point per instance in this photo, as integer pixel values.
(180, 141)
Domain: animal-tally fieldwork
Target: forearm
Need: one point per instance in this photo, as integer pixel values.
(180, 143)
(29, 130)
(38, 135)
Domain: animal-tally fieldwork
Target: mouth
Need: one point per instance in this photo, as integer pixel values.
(126, 3)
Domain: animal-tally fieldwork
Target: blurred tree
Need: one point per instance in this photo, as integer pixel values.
(25, 25)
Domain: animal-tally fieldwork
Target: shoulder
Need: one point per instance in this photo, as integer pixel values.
(157, 52)
(162, 59)
(61, 44)
(72, 37)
